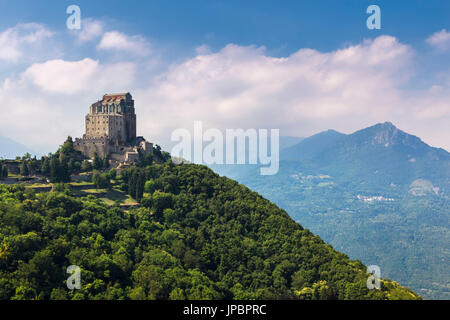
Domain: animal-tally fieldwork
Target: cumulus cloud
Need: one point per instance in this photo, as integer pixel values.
(440, 40)
(236, 87)
(20, 38)
(90, 29)
(69, 77)
(203, 49)
(115, 40)
(301, 94)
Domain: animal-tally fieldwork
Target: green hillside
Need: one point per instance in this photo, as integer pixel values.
(195, 236)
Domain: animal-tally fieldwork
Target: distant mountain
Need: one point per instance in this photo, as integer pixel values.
(383, 154)
(379, 194)
(310, 147)
(9, 148)
(383, 138)
(287, 141)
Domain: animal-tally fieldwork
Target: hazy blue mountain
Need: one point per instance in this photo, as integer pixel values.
(383, 154)
(9, 148)
(287, 141)
(310, 147)
(380, 195)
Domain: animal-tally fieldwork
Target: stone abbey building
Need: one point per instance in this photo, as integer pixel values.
(111, 130)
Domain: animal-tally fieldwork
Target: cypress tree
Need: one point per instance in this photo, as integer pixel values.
(97, 163)
(106, 162)
(24, 169)
(132, 184)
(63, 172)
(71, 165)
(5, 171)
(140, 184)
(54, 170)
(45, 167)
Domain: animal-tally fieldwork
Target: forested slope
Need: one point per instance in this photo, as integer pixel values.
(197, 236)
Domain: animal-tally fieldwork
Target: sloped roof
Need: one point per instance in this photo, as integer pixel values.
(115, 96)
(122, 94)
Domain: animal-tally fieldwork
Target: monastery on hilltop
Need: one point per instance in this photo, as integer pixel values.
(111, 130)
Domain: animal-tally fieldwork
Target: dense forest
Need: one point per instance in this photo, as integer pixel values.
(196, 235)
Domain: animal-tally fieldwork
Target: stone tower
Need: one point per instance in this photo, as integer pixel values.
(111, 130)
(112, 118)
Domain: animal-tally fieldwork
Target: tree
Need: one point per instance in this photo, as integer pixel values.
(71, 165)
(64, 173)
(101, 181)
(140, 182)
(151, 186)
(33, 165)
(161, 201)
(4, 171)
(112, 174)
(106, 162)
(27, 156)
(96, 163)
(54, 166)
(67, 148)
(59, 171)
(148, 160)
(86, 166)
(45, 167)
(177, 294)
(24, 172)
(132, 184)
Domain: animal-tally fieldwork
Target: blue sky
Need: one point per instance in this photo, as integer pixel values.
(282, 26)
(192, 40)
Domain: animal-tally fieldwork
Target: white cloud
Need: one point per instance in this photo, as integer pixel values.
(19, 39)
(69, 77)
(440, 40)
(302, 94)
(90, 29)
(203, 49)
(115, 40)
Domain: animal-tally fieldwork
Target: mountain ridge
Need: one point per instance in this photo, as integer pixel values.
(378, 192)
(9, 148)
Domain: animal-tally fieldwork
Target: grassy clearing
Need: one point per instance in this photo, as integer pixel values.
(110, 197)
(94, 191)
(81, 183)
(39, 185)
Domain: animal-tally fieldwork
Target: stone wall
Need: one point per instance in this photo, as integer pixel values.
(89, 146)
(104, 125)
